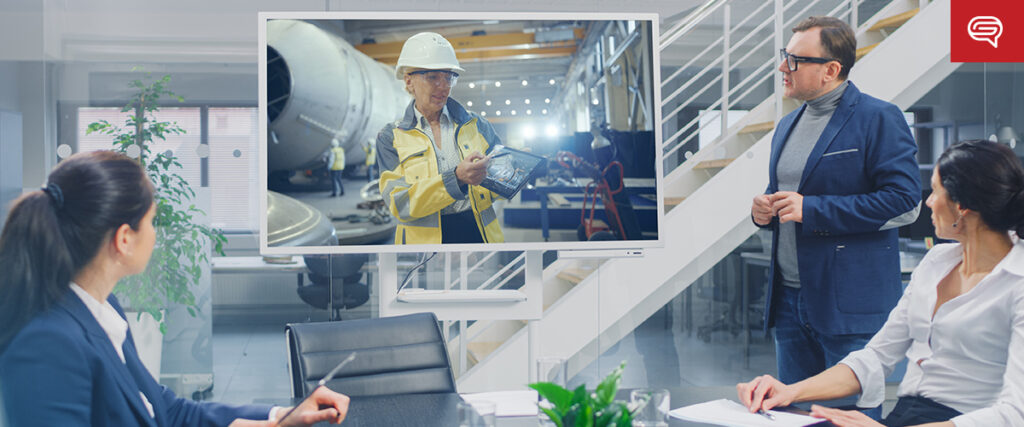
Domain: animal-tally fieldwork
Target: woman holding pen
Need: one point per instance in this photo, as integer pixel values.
(960, 322)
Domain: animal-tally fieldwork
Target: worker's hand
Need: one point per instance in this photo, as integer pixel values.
(843, 418)
(761, 209)
(472, 169)
(788, 206)
(765, 392)
(335, 407)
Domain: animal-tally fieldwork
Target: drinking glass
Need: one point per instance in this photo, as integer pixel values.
(652, 407)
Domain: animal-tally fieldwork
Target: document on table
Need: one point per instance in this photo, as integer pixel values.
(729, 413)
(517, 403)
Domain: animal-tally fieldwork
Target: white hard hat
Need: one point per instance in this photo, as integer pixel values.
(427, 50)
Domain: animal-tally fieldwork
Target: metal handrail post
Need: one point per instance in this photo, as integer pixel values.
(727, 12)
(778, 46)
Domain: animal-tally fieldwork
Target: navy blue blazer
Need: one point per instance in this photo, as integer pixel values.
(861, 180)
(61, 370)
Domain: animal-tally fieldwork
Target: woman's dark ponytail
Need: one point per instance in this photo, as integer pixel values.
(1017, 206)
(51, 234)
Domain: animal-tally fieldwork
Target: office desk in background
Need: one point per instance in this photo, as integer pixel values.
(259, 265)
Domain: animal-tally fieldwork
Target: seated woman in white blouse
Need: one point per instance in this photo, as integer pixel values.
(960, 322)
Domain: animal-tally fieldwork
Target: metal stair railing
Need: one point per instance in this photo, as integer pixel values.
(723, 63)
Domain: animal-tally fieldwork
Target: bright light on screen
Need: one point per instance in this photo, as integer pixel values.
(331, 76)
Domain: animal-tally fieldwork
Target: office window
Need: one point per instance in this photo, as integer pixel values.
(232, 168)
(183, 146)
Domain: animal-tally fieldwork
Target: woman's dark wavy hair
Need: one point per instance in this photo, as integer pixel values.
(47, 241)
(988, 178)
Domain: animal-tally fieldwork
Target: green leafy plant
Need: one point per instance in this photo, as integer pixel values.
(176, 264)
(582, 408)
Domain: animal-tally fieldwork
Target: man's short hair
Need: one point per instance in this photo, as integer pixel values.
(837, 40)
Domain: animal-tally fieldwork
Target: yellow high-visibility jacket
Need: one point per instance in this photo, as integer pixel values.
(415, 190)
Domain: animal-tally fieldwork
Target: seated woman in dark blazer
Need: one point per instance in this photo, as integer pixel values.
(67, 357)
(960, 322)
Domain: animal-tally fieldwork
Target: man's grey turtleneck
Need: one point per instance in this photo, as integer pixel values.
(790, 169)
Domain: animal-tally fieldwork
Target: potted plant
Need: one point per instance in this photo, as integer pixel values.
(178, 256)
(582, 408)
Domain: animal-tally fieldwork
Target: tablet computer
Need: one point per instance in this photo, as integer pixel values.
(509, 170)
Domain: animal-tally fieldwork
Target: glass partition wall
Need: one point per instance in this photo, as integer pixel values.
(690, 334)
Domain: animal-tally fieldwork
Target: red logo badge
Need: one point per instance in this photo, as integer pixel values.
(987, 31)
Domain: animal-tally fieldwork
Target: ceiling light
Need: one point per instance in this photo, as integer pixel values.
(472, 85)
(544, 111)
(524, 82)
(529, 112)
(497, 113)
(547, 100)
(527, 101)
(469, 103)
(508, 102)
(513, 112)
(483, 114)
(497, 84)
(551, 82)
(488, 102)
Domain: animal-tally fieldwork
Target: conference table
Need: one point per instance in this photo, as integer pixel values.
(440, 409)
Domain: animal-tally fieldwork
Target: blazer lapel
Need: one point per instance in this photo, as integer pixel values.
(839, 118)
(101, 343)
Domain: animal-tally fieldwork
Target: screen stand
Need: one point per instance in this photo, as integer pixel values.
(488, 304)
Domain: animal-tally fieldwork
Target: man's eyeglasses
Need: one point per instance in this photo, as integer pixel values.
(438, 77)
(793, 60)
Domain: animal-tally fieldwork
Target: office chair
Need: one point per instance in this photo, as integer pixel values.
(335, 282)
(395, 355)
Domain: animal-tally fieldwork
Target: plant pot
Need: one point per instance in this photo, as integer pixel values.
(149, 342)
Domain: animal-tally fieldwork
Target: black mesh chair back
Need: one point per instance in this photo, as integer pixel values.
(395, 355)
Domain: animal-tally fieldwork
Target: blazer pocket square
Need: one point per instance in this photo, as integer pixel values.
(852, 150)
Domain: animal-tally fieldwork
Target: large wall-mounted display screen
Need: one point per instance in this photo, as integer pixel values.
(417, 132)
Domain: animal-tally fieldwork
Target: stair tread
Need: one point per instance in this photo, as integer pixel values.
(713, 164)
(864, 50)
(574, 274)
(757, 127)
(894, 21)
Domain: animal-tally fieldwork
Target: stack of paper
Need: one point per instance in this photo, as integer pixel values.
(729, 413)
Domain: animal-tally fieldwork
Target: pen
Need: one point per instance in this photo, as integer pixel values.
(766, 414)
(330, 375)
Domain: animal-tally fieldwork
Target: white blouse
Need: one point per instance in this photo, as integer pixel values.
(112, 323)
(969, 357)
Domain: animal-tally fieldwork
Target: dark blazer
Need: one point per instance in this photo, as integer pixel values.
(860, 182)
(61, 370)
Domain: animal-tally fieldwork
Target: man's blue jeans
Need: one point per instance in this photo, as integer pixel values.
(802, 352)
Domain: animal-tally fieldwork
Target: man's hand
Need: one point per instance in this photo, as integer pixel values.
(472, 169)
(765, 392)
(788, 206)
(761, 209)
(308, 413)
(843, 418)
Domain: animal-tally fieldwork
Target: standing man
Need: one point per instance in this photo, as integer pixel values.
(336, 164)
(843, 176)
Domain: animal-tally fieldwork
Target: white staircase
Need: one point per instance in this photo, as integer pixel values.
(710, 192)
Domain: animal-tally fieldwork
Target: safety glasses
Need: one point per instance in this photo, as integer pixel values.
(438, 77)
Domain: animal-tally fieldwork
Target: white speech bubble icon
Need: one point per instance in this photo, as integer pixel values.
(985, 29)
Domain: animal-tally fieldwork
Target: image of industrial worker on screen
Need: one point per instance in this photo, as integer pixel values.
(432, 161)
